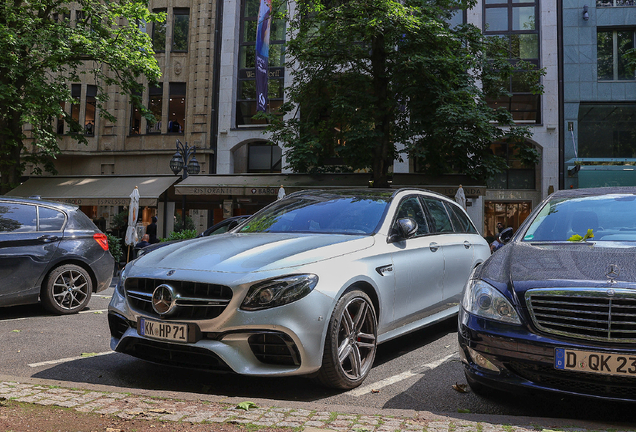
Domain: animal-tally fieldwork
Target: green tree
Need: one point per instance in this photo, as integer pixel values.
(46, 46)
(374, 80)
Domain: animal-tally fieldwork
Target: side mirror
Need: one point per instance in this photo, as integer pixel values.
(404, 228)
(506, 235)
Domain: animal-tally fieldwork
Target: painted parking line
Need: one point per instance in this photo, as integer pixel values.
(68, 359)
(98, 311)
(400, 377)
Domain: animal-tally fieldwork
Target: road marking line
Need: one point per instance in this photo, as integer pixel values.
(68, 359)
(40, 316)
(396, 378)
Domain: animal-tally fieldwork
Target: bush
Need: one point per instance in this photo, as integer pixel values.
(181, 235)
(189, 224)
(114, 246)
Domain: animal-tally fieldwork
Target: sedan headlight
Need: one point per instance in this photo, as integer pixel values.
(122, 280)
(279, 291)
(483, 300)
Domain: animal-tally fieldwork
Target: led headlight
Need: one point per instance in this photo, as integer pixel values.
(122, 280)
(483, 300)
(279, 291)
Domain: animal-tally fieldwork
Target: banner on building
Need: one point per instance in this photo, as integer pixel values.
(262, 53)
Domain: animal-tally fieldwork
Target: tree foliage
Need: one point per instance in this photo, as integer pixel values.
(374, 80)
(46, 46)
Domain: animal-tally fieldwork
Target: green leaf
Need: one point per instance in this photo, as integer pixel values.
(246, 405)
(88, 354)
(462, 410)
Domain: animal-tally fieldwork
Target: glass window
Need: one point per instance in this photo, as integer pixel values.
(412, 208)
(461, 222)
(264, 158)
(76, 95)
(17, 218)
(176, 108)
(510, 214)
(89, 115)
(607, 130)
(613, 47)
(155, 105)
(438, 213)
(50, 219)
(180, 29)
(60, 120)
(159, 34)
(246, 96)
(517, 176)
(135, 117)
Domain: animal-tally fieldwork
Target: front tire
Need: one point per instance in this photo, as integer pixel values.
(67, 290)
(351, 342)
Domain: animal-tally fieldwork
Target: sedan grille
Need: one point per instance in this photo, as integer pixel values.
(197, 301)
(605, 315)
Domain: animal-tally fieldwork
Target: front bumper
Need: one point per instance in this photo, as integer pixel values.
(285, 340)
(513, 358)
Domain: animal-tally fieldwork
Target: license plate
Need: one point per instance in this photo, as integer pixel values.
(595, 362)
(163, 330)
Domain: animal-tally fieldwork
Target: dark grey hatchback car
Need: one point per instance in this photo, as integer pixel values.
(50, 252)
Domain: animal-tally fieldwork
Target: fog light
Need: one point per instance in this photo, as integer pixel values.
(482, 361)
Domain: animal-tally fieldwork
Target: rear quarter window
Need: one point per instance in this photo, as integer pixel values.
(77, 220)
(50, 219)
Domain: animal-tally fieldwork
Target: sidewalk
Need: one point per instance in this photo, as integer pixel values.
(303, 416)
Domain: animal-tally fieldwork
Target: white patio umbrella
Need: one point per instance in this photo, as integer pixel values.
(133, 213)
(460, 197)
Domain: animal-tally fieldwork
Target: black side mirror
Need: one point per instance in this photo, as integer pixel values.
(404, 228)
(506, 235)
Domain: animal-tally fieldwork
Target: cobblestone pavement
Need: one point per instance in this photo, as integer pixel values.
(341, 419)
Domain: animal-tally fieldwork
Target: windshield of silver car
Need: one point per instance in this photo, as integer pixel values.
(589, 218)
(324, 214)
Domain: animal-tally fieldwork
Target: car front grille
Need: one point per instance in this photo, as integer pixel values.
(185, 356)
(588, 384)
(197, 301)
(274, 348)
(606, 315)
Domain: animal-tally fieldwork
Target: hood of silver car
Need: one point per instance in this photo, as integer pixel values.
(240, 253)
(528, 265)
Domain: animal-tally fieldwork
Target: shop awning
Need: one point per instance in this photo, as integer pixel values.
(97, 190)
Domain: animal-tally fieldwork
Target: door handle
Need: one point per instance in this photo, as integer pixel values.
(433, 247)
(466, 244)
(48, 238)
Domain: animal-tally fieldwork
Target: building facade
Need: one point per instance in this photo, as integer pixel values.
(207, 98)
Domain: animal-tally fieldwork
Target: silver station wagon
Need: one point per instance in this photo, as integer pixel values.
(310, 285)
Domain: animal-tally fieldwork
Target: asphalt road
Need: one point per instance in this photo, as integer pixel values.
(415, 372)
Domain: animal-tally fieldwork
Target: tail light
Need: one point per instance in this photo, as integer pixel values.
(102, 240)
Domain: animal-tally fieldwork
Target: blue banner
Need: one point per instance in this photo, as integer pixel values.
(262, 53)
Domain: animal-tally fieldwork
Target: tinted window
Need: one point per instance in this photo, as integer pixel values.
(79, 221)
(465, 225)
(17, 217)
(438, 214)
(50, 219)
(411, 208)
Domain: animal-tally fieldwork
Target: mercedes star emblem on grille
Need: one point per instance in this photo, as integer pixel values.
(612, 272)
(164, 299)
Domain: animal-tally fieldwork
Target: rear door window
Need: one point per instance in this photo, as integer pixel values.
(438, 213)
(15, 218)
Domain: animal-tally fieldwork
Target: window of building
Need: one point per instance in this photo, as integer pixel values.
(510, 214)
(263, 157)
(458, 17)
(155, 104)
(180, 29)
(176, 108)
(607, 131)
(612, 49)
(517, 176)
(159, 33)
(516, 21)
(135, 117)
(90, 109)
(60, 120)
(76, 95)
(246, 95)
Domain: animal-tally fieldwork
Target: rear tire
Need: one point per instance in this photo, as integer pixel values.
(351, 342)
(67, 290)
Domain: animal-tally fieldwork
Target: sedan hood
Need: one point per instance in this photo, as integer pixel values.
(528, 265)
(241, 253)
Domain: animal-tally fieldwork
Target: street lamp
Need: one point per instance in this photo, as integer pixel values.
(184, 160)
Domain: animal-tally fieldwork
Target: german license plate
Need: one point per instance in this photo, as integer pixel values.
(163, 330)
(595, 362)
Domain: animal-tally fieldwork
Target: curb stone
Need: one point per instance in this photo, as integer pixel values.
(145, 406)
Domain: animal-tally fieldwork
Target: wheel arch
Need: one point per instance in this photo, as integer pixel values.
(76, 262)
(369, 290)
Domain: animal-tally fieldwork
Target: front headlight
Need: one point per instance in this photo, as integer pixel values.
(279, 291)
(483, 300)
(122, 280)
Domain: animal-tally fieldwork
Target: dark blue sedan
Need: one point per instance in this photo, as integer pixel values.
(555, 308)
